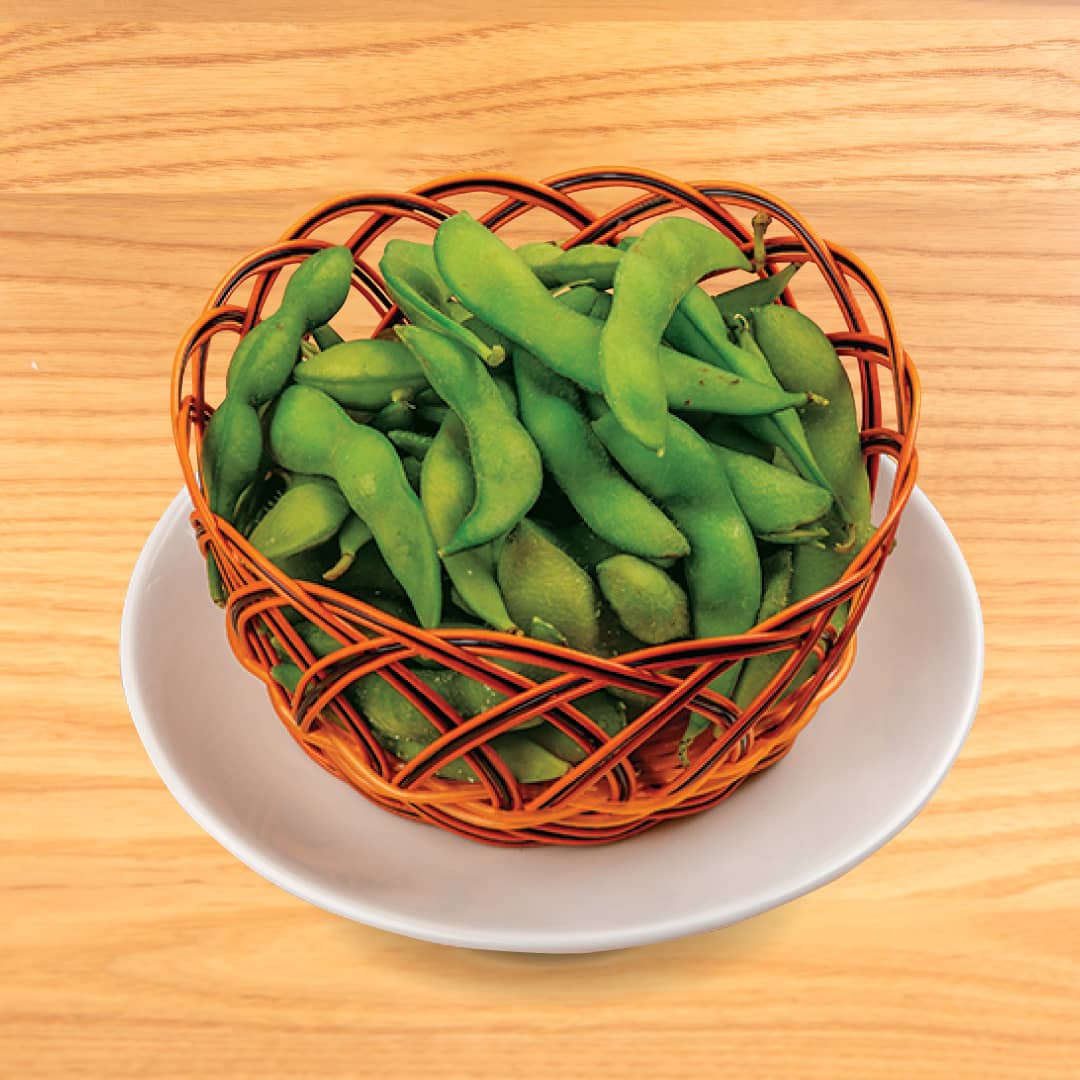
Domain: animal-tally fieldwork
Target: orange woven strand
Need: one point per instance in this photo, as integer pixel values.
(634, 780)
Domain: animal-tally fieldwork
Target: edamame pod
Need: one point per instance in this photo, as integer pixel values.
(413, 280)
(309, 513)
(320, 286)
(505, 462)
(651, 279)
(362, 374)
(310, 433)
(326, 337)
(398, 415)
(527, 760)
(723, 572)
(776, 572)
(648, 603)
(767, 290)
(538, 579)
(496, 283)
(609, 715)
(773, 500)
(353, 536)
(797, 349)
(413, 443)
(608, 503)
(447, 491)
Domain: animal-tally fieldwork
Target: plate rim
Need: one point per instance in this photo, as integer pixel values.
(562, 941)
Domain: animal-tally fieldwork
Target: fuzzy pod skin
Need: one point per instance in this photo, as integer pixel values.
(647, 602)
(308, 514)
(538, 579)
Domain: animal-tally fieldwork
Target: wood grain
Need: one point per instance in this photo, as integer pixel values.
(142, 159)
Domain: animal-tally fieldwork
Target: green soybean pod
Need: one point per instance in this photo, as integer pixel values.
(601, 309)
(608, 503)
(723, 572)
(362, 374)
(579, 298)
(647, 602)
(412, 469)
(773, 500)
(266, 354)
(265, 357)
(368, 575)
(320, 286)
(505, 462)
(593, 263)
(539, 580)
(309, 513)
(699, 328)
(406, 749)
(232, 452)
(497, 284)
(310, 433)
(447, 492)
(650, 281)
(413, 280)
(777, 570)
(797, 348)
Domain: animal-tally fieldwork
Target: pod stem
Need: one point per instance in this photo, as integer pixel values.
(760, 223)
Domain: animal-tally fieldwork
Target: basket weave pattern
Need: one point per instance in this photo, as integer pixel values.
(629, 782)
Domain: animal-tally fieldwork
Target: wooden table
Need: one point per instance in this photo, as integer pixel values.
(142, 159)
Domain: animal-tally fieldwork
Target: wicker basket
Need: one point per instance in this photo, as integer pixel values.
(627, 783)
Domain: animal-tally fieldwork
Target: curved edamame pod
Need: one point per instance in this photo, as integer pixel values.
(311, 433)
(740, 300)
(505, 462)
(413, 443)
(353, 536)
(447, 492)
(651, 279)
(608, 503)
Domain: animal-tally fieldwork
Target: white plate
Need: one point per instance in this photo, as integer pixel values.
(862, 769)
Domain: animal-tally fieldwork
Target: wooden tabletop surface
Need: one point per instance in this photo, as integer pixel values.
(142, 159)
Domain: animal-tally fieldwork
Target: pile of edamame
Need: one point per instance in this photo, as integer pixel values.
(583, 446)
